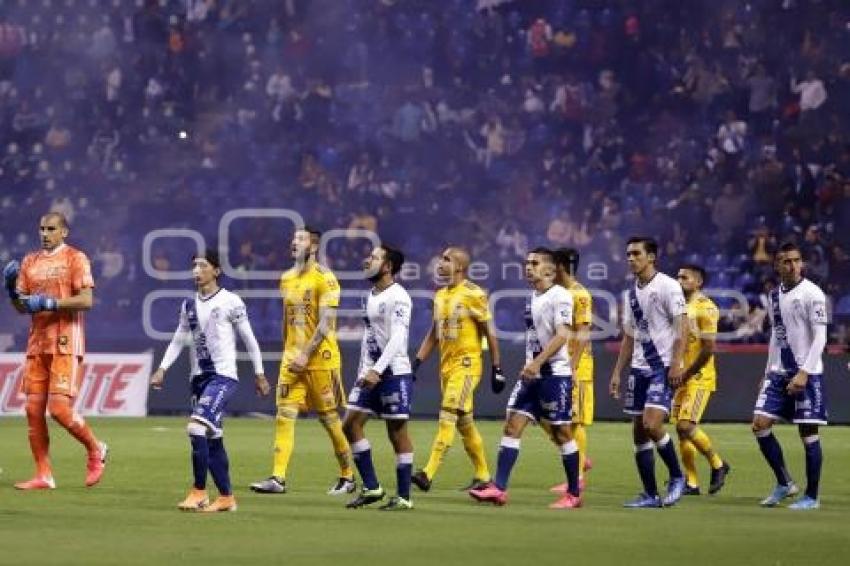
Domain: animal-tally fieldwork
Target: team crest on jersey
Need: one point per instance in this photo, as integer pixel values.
(63, 340)
(307, 296)
(326, 354)
(467, 362)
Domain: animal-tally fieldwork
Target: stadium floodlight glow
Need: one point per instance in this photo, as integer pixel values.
(154, 235)
(251, 213)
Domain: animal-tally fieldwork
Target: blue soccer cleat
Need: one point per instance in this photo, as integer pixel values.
(779, 493)
(644, 501)
(675, 490)
(805, 503)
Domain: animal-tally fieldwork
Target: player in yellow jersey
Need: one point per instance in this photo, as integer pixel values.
(310, 364)
(461, 318)
(692, 396)
(581, 355)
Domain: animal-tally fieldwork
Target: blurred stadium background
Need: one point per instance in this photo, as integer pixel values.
(720, 127)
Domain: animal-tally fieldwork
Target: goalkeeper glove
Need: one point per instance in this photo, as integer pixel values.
(39, 303)
(497, 380)
(10, 277)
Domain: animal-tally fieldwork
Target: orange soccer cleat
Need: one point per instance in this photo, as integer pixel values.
(195, 501)
(568, 501)
(96, 465)
(36, 483)
(223, 503)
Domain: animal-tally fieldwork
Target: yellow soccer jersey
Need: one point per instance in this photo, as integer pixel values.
(457, 312)
(702, 320)
(582, 314)
(303, 294)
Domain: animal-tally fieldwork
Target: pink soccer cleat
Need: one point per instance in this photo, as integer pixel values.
(96, 465)
(562, 487)
(36, 483)
(568, 501)
(489, 494)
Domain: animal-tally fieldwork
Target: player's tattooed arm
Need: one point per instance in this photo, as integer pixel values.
(327, 322)
(677, 369)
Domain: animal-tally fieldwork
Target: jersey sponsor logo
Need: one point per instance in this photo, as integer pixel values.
(112, 384)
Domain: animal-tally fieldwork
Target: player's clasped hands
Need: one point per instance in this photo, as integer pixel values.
(370, 380)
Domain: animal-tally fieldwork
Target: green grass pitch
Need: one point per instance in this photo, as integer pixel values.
(131, 518)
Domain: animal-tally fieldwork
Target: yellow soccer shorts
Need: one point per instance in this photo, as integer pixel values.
(689, 402)
(583, 402)
(320, 390)
(458, 387)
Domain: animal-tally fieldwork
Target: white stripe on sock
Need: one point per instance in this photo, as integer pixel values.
(361, 445)
(405, 458)
(510, 442)
(811, 439)
(644, 446)
(568, 448)
(665, 440)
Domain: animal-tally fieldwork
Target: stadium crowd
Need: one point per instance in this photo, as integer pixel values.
(496, 124)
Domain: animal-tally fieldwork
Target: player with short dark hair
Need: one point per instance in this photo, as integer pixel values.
(792, 388)
(544, 391)
(654, 317)
(700, 381)
(384, 386)
(210, 322)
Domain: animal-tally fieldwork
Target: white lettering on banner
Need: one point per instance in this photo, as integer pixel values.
(114, 385)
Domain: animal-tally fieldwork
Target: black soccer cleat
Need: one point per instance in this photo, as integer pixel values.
(366, 497)
(420, 480)
(718, 478)
(691, 490)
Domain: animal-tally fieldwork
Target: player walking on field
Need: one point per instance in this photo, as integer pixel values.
(210, 322)
(55, 286)
(384, 386)
(700, 381)
(544, 390)
(654, 317)
(310, 362)
(461, 318)
(792, 389)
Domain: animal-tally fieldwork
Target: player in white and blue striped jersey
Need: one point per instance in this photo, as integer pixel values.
(792, 389)
(655, 320)
(384, 384)
(209, 323)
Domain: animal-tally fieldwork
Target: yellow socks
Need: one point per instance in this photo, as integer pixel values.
(689, 453)
(442, 443)
(474, 446)
(703, 444)
(342, 450)
(284, 439)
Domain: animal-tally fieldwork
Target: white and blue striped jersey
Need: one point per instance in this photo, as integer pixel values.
(386, 316)
(209, 325)
(804, 318)
(659, 303)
